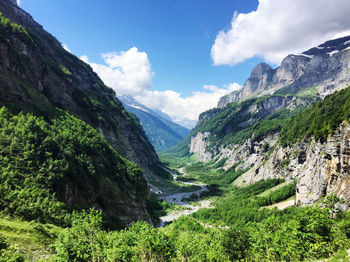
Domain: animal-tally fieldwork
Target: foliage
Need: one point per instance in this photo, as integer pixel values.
(65, 70)
(6, 23)
(181, 149)
(239, 206)
(300, 234)
(32, 239)
(278, 195)
(294, 234)
(319, 120)
(210, 175)
(86, 241)
(8, 253)
(39, 159)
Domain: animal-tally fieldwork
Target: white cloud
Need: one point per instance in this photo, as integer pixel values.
(18, 2)
(128, 72)
(280, 27)
(180, 108)
(234, 87)
(66, 48)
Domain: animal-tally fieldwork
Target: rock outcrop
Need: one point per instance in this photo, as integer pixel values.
(325, 67)
(319, 168)
(237, 119)
(237, 131)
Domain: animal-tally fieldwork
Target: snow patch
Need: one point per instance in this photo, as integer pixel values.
(308, 56)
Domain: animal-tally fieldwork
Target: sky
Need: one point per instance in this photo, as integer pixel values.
(181, 56)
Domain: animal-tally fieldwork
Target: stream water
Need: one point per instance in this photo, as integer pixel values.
(179, 199)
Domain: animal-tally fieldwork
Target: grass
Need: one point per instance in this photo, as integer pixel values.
(65, 70)
(30, 238)
(267, 192)
(311, 92)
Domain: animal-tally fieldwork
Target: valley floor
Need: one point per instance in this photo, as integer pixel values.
(204, 218)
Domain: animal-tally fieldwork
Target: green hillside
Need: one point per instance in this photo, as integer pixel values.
(50, 167)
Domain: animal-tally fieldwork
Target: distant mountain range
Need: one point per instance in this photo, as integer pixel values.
(162, 132)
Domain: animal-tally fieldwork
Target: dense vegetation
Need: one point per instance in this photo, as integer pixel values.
(319, 120)
(8, 252)
(40, 160)
(253, 234)
(212, 174)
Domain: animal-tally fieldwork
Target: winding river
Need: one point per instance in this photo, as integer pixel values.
(178, 199)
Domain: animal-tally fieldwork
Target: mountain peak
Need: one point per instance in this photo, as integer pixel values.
(260, 69)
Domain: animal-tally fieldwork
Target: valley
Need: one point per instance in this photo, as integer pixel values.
(87, 174)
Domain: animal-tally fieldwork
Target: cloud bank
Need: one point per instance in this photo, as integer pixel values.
(130, 73)
(180, 108)
(280, 27)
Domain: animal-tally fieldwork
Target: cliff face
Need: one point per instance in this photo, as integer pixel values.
(319, 168)
(216, 128)
(38, 76)
(244, 130)
(325, 68)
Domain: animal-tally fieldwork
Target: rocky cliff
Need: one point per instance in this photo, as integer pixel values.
(325, 67)
(244, 130)
(221, 128)
(311, 146)
(320, 168)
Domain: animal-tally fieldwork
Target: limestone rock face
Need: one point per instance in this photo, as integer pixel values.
(250, 115)
(199, 145)
(233, 97)
(325, 67)
(319, 168)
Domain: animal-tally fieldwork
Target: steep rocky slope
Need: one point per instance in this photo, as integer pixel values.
(325, 67)
(160, 130)
(245, 129)
(37, 73)
(39, 77)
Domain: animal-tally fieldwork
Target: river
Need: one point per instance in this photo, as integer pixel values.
(178, 199)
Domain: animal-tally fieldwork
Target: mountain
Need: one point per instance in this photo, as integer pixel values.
(160, 130)
(248, 130)
(49, 85)
(323, 68)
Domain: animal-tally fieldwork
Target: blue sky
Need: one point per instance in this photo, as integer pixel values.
(176, 35)
(173, 42)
